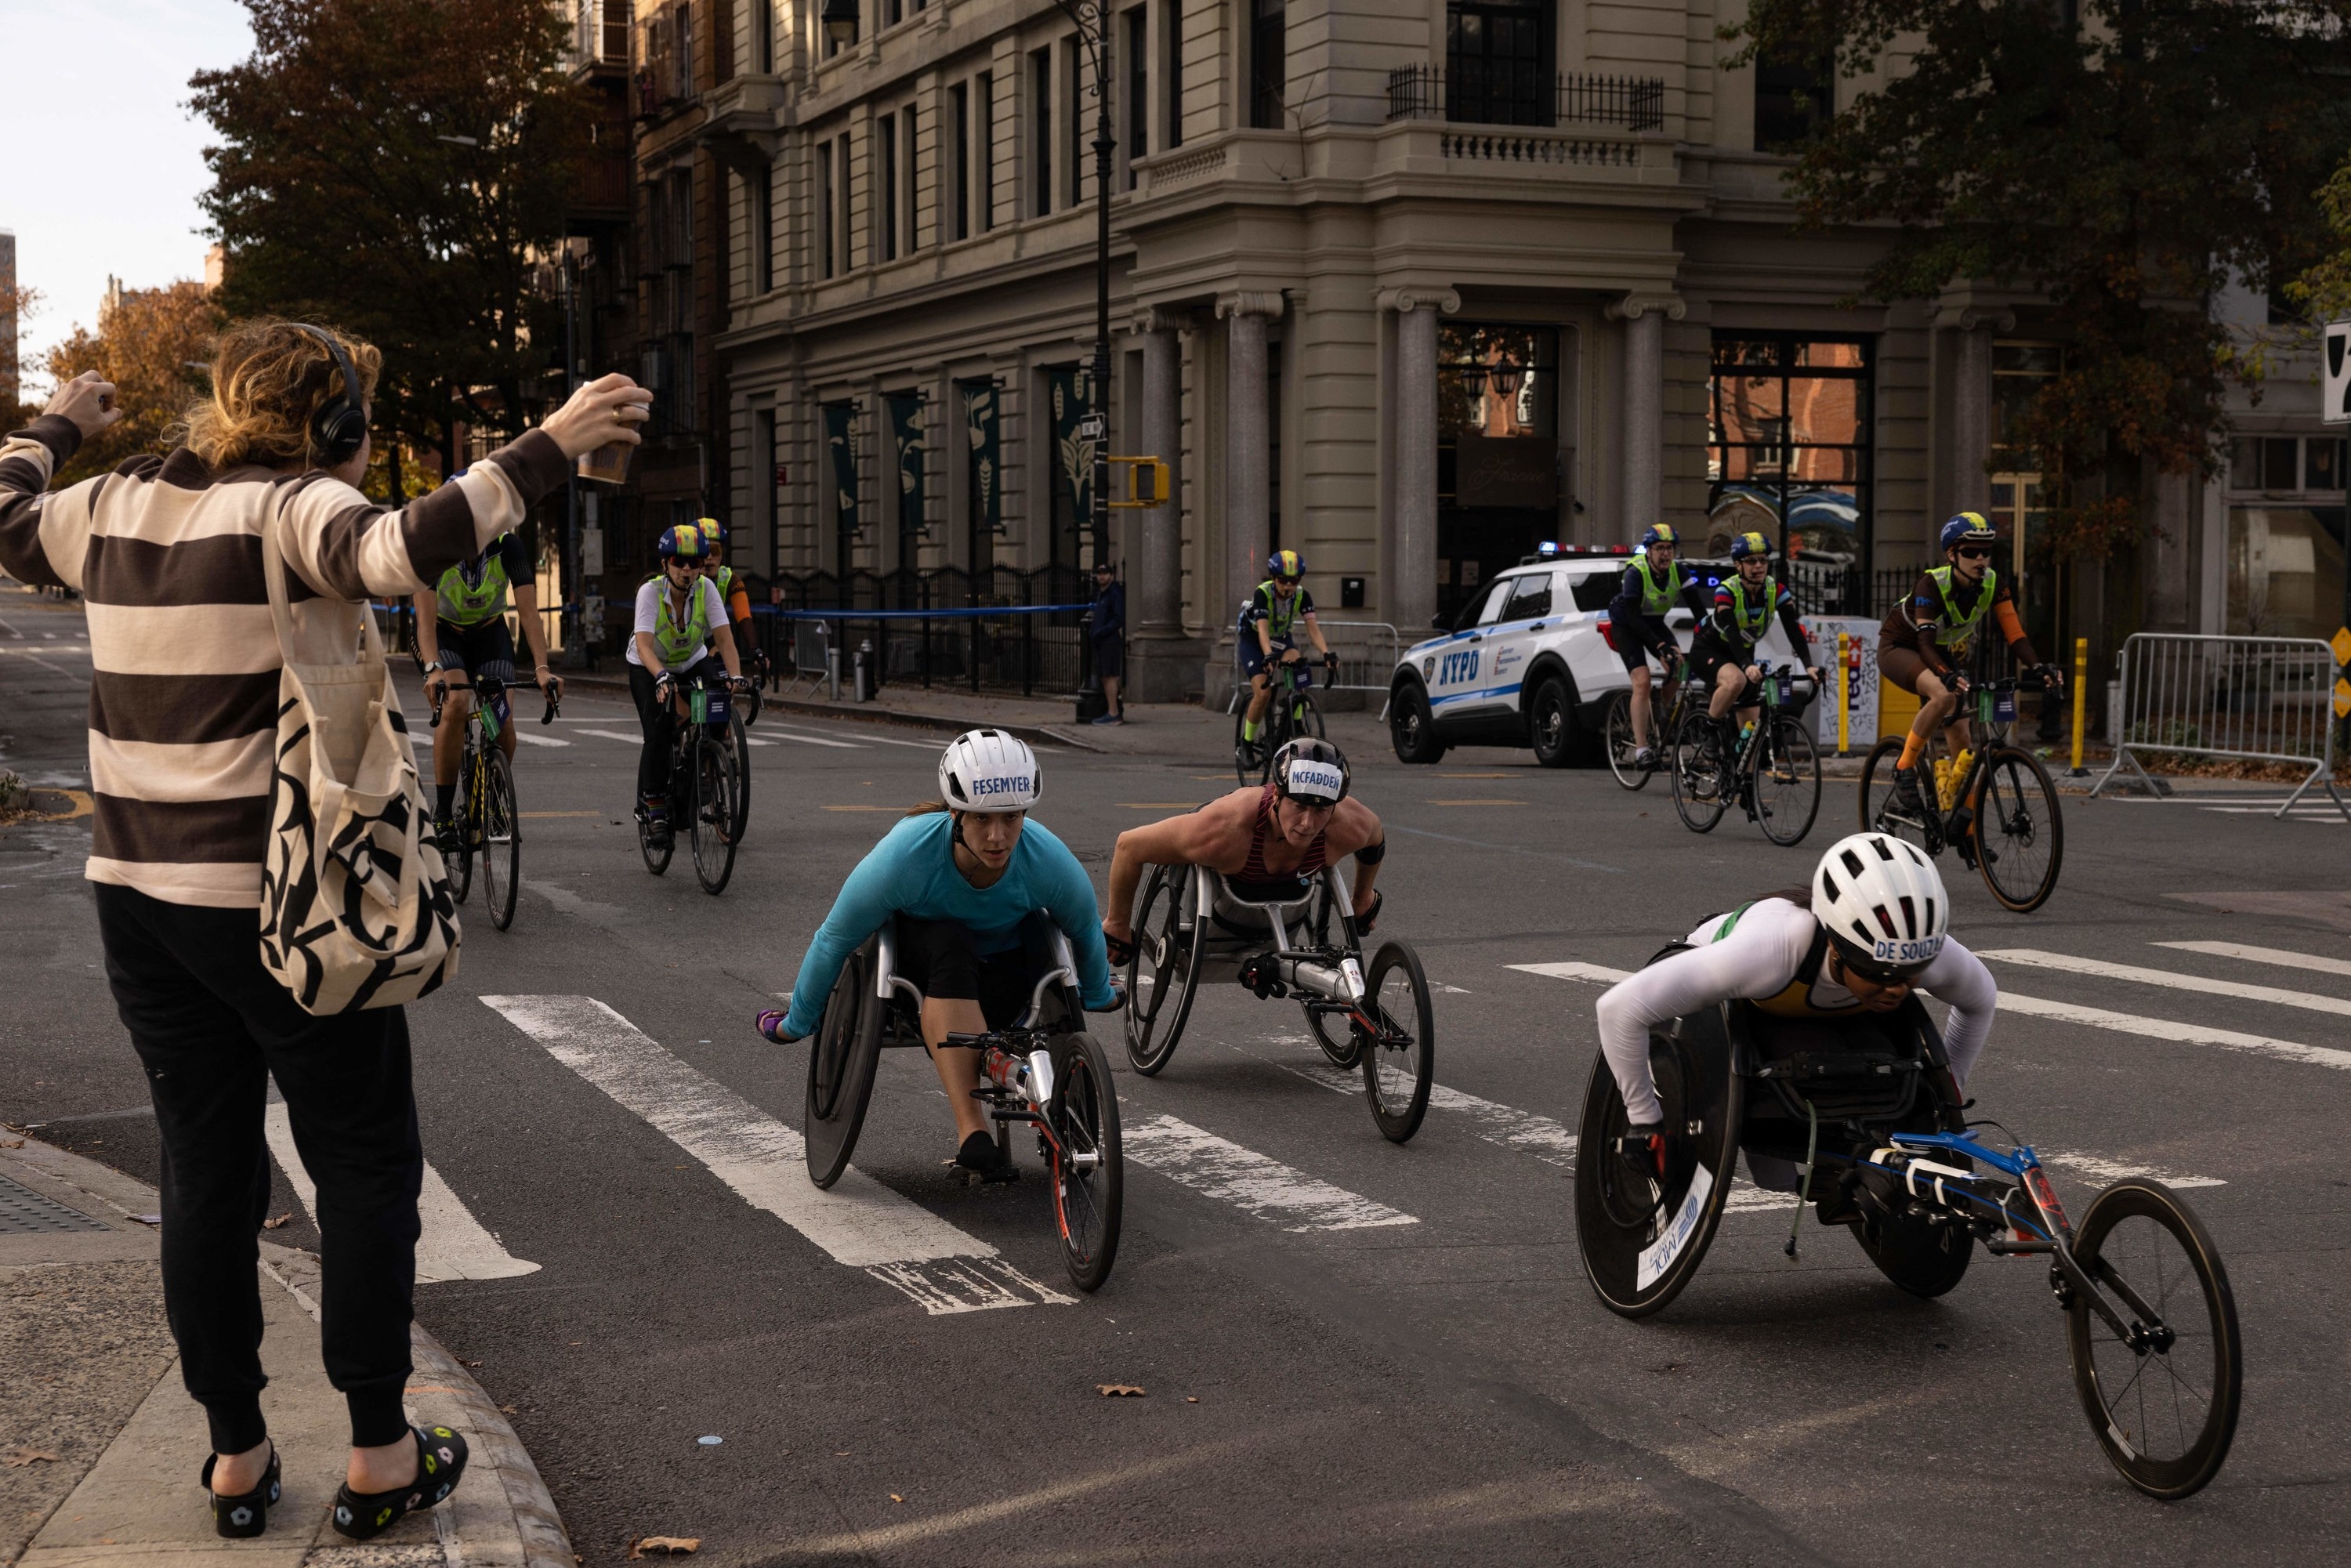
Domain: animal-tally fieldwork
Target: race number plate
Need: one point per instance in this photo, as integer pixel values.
(1658, 1256)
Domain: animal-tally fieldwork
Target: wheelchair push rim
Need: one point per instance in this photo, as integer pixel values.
(1401, 1062)
(843, 1056)
(1162, 976)
(1082, 1150)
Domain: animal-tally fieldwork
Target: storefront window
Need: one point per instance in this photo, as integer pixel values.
(2286, 561)
(1789, 455)
(1500, 469)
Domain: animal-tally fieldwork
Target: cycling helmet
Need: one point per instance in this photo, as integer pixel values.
(1285, 563)
(1883, 905)
(988, 770)
(1662, 534)
(683, 542)
(1967, 527)
(1750, 544)
(713, 531)
(1310, 770)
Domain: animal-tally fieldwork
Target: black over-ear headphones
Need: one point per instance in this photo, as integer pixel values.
(339, 428)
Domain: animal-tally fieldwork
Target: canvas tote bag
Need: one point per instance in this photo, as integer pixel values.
(355, 904)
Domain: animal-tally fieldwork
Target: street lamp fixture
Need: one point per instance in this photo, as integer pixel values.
(840, 19)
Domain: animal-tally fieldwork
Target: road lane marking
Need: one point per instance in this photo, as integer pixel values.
(860, 1222)
(1495, 802)
(2183, 1033)
(754, 741)
(1505, 1126)
(2033, 957)
(453, 1246)
(529, 815)
(1263, 1188)
(528, 738)
(1605, 977)
(613, 734)
(2280, 956)
(1521, 851)
(863, 740)
(802, 735)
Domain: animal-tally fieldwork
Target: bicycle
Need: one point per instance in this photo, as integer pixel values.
(709, 762)
(1045, 1072)
(1624, 751)
(1290, 713)
(1191, 926)
(2002, 784)
(1873, 1127)
(1775, 774)
(487, 818)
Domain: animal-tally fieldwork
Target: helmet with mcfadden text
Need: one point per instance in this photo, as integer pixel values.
(1312, 772)
(989, 771)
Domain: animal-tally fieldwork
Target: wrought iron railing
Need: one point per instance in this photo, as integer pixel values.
(1509, 93)
(1029, 632)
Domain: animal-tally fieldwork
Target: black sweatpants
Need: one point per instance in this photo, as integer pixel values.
(658, 722)
(211, 1029)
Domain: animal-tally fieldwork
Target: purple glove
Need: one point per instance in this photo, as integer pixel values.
(771, 1024)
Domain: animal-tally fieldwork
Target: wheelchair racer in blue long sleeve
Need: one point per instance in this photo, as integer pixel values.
(960, 875)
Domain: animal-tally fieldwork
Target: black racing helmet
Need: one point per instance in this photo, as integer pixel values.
(1310, 770)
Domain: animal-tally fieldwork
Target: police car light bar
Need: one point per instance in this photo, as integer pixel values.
(1551, 550)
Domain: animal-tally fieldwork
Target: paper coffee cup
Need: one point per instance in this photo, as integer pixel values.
(608, 464)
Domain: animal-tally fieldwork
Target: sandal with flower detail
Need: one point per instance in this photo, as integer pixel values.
(440, 1461)
(247, 1513)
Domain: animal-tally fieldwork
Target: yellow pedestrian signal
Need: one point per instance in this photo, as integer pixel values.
(1147, 484)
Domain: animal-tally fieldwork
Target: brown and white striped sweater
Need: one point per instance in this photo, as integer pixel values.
(183, 696)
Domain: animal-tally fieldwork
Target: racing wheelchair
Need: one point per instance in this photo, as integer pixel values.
(1044, 1072)
(1862, 1119)
(1196, 925)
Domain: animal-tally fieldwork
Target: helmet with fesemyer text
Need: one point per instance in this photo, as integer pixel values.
(1312, 772)
(990, 771)
(1882, 904)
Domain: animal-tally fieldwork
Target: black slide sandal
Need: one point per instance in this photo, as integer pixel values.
(440, 1461)
(246, 1514)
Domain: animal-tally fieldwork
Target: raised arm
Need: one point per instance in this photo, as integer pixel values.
(1752, 961)
(43, 538)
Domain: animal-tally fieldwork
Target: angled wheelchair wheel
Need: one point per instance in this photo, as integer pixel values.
(1332, 928)
(1164, 972)
(1399, 1064)
(1643, 1239)
(1089, 1179)
(1926, 1258)
(841, 1058)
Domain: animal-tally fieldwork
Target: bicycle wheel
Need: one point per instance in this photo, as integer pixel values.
(2020, 834)
(1089, 1179)
(1334, 1033)
(1251, 757)
(1397, 1066)
(740, 744)
(1164, 973)
(753, 703)
(501, 840)
(1788, 783)
(714, 813)
(1305, 716)
(1622, 749)
(1697, 773)
(1881, 813)
(2164, 1411)
(460, 861)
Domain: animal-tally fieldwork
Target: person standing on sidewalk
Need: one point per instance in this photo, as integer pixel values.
(1108, 632)
(167, 552)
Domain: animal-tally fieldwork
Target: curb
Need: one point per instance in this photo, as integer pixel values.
(1034, 734)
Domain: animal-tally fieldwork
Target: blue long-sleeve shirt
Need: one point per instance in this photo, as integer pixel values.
(913, 872)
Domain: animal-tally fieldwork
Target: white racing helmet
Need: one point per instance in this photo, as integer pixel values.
(1883, 905)
(990, 771)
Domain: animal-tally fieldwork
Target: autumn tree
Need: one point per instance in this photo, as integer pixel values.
(151, 343)
(398, 167)
(2122, 159)
(17, 304)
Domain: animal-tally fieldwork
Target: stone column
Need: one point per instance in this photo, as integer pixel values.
(1247, 477)
(1162, 662)
(1971, 431)
(1408, 594)
(1642, 491)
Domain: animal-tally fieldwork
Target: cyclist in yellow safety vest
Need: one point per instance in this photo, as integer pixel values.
(461, 634)
(681, 616)
(733, 590)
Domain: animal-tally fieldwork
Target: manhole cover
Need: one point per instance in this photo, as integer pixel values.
(24, 1212)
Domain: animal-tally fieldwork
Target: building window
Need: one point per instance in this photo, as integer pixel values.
(1268, 63)
(984, 139)
(1041, 77)
(1499, 462)
(1788, 455)
(886, 200)
(906, 177)
(2287, 464)
(833, 47)
(893, 13)
(1174, 11)
(763, 36)
(763, 229)
(1499, 56)
(684, 52)
(1138, 89)
(1794, 97)
(1072, 56)
(825, 248)
(2286, 536)
(958, 130)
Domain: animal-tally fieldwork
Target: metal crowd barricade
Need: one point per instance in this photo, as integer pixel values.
(2254, 699)
(1029, 655)
(1367, 653)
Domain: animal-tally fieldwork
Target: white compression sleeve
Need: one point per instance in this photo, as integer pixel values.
(1959, 978)
(1753, 961)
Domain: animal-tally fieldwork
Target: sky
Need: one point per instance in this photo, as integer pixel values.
(102, 161)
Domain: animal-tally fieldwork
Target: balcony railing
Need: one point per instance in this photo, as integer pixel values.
(1504, 92)
(600, 36)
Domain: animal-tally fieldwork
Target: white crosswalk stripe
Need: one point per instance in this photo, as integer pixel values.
(1505, 1126)
(528, 738)
(613, 734)
(453, 1244)
(1264, 1188)
(2280, 956)
(862, 739)
(860, 1222)
(2173, 1029)
(2099, 969)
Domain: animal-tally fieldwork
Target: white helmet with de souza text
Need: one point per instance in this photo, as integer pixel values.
(989, 771)
(1882, 904)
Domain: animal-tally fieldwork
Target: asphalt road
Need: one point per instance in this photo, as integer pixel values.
(1364, 1353)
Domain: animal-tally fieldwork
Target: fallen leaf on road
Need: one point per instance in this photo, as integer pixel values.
(278, 1223)
(674, 1545)
(473, 1364)
(1118, 1390)
(24, 1457)
(12, 1142)
(895, 1498)
(1191, 1399)
(509, 1410)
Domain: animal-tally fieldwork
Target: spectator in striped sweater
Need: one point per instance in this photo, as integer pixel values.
(166, 552)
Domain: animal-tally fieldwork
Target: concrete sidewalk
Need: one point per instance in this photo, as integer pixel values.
(100, 1446)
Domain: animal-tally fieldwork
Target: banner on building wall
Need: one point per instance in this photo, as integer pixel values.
(907, 440)
(840, 418)
(1073, 393)
(981, 409)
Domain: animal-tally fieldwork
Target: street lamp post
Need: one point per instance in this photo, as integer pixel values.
(1093, 19)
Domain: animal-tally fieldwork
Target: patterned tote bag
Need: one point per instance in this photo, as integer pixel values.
(355, 904)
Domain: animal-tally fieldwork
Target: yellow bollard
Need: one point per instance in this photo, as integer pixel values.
(1844, 711)
(2081, 699)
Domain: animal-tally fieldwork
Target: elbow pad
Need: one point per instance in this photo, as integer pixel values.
(1372, 854)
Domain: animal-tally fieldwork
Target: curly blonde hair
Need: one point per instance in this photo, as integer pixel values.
(269, 379)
